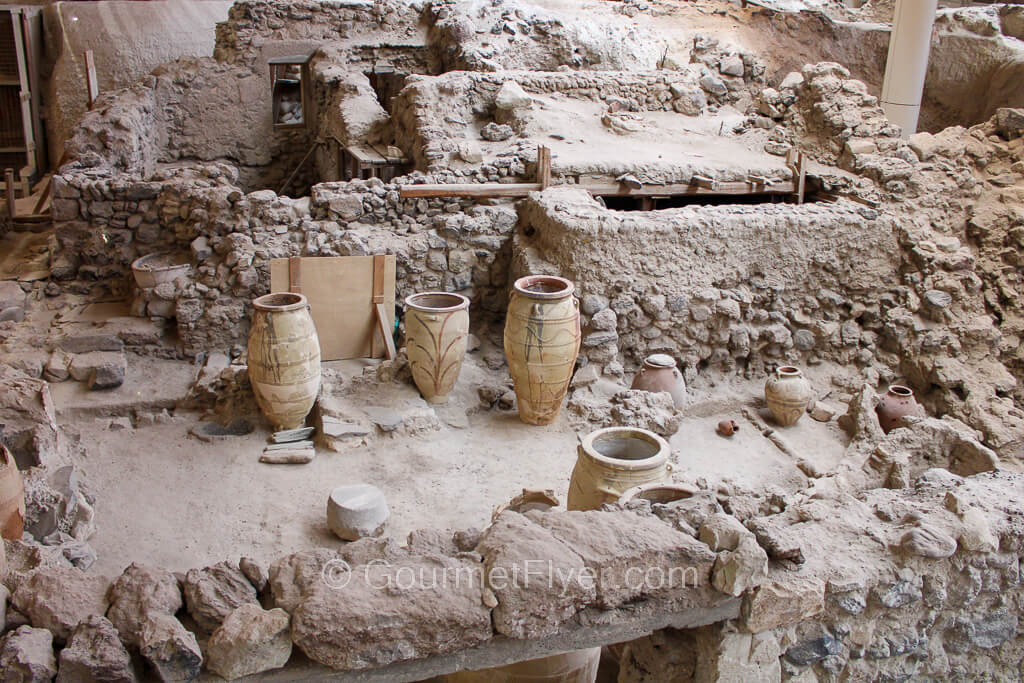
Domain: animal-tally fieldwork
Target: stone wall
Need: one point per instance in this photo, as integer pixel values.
(104, 223)
(727, 287)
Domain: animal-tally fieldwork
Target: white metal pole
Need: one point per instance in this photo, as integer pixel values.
(907, 64)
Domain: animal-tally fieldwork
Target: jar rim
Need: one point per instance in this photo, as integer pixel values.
(658, 458)
(279, 302)
(436, 302)
(544, 287)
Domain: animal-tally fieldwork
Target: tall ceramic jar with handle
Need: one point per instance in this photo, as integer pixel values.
(542, 340)
(436, 330)
(284, 358)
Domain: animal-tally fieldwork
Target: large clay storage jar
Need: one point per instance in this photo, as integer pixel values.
(12, 497)
(542, 339)
(787, 393)
(284, 358)
(613, 460)
(659, 373)
(896, 403)
(436, 330)
(572, 667)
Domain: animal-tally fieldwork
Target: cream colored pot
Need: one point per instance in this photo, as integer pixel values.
(542, 340)
(284, 358)
(613, 460)
(436, 330)
(787, 393)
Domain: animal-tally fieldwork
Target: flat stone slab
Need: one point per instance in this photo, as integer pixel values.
(149, 383)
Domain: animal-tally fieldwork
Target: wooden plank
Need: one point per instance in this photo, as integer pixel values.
(802, 178)
(340, 294)
(377, 296)
(608, 189)
(367, 155)
(384, 328)
(91, 83)
(12, 204)
(49, 184)
(295, 275)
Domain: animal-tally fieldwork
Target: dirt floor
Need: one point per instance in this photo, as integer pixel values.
(166, 498)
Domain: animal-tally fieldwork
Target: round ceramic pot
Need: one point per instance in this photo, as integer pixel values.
(787, 393)
(893, 405)
(284, 358)
(571, 667)
(611, 461)
(542, 340)
(659, 373)
(436, 330)
(154, 269)
(12, 498)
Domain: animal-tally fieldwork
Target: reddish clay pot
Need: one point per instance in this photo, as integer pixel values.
(892, 406)
(659, 373)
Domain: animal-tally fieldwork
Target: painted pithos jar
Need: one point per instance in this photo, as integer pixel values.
(893, 405)
(542, 340)
(613, 460)
(436, 330)
(787, 393)
(284, 358)
(659, 373)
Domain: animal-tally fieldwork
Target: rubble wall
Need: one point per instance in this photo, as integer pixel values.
(105, 222)
(728, 287)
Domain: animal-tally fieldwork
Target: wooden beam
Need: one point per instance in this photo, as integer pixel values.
(92, 85)
(609, 189)
(543, 166)
(12, 205)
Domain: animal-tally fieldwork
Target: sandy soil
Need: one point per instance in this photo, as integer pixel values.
(166, 498)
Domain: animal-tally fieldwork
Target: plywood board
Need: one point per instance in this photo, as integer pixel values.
(340, 294)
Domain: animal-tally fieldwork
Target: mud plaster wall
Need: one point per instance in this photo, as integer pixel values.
(728, 286)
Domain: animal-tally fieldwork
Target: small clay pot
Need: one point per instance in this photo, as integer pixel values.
(728, 427)
(892, 406)
(787, 394)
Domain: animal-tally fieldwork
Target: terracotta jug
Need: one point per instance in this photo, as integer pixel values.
(787, 393)
(613, 460)
(659, 373)
(436, 330)
(542, 339)
(284, 358)
(893, 405)
(12, 497)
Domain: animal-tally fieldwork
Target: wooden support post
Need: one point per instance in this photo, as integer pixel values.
(801, 167)
(382, 318)
(12, 206)
(543, 167)
(92, 85)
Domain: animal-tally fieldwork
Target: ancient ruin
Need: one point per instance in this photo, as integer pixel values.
(547, 340)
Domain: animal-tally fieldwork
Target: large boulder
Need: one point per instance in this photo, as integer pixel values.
(95, 654)
(632, 557)
(59, 599)
(139, 590)
(539, 581)
(383, 613)
(293, 577)
(214, 592)
(26, 655)
(170, 649)
(249, 641)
